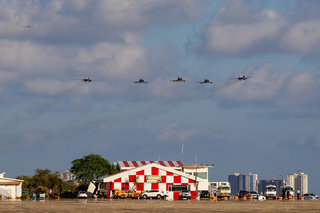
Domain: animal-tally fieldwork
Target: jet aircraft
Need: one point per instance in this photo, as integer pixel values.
(205, 81)
(87, 80)
(140, 81)
(242, 77)
(179, 79)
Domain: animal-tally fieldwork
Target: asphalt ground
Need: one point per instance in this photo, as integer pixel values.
(118, 206)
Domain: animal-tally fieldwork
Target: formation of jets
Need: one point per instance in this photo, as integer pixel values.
(179, 79)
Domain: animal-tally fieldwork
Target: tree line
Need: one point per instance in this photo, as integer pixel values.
(85, 169)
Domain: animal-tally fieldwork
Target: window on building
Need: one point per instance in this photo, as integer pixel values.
(203, 175)
(103, 186)
(177, 188)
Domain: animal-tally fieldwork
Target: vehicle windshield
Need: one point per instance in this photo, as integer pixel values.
(271, 189)
(225, 188)
(289, 188)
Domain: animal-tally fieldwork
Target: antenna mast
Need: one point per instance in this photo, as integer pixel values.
(181, 154)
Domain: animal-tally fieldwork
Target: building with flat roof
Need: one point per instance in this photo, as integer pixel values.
(10, 187)
(199, 171)
(213, 186)
(152, 176)
(247, 182)
(298, 181)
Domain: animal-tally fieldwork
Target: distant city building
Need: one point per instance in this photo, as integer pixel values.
(264, 183)
(67, 176)
(238, 182)
(298, 181)
(213, 186)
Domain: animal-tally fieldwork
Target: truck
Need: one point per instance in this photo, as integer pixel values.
(271, 192)
(287, 192)
(223, 191)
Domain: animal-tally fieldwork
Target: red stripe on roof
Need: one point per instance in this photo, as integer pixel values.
(126, 164)
(179, 163)
(135, 164)
(151, 161)
(143, 163)
(162, 163)
(171, 164)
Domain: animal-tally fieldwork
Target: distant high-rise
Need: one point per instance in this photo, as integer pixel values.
(240, 182)
(264, 183)
(298, 181)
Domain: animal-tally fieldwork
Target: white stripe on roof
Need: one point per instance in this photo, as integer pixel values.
(131, 164)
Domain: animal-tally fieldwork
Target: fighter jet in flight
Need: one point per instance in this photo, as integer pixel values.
(87, 80)
(242, 77)
(179, 79)
(140, 81)
(205, 81)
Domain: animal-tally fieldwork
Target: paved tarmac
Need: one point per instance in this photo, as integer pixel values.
(119, 206)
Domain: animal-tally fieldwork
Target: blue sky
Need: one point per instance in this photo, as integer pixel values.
(268, 124)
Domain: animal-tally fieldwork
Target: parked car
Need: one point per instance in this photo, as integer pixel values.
(310, 196)
(68, 195)
(82, 195)
(153, 194)
(224, 191)
(205, 194)
(244, 193)
(254, 195)
(185, 194)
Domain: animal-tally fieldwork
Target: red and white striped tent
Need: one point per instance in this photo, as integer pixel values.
(148, 177)
(124, 165)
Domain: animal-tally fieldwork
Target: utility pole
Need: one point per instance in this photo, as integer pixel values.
(197, 193)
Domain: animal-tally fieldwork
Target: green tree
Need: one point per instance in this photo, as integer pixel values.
(43, 180)
(91, 167)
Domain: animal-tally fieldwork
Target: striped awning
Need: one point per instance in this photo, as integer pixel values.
(132, 164)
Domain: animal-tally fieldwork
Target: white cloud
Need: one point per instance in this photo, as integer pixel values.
(90, 21)
(6, 76)
(235, 38)
(172, 131)
(302, 37)
(240, 28)
(105, 60)
(269, 86)
(112, 60)
(30, 57)
(56, 87)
